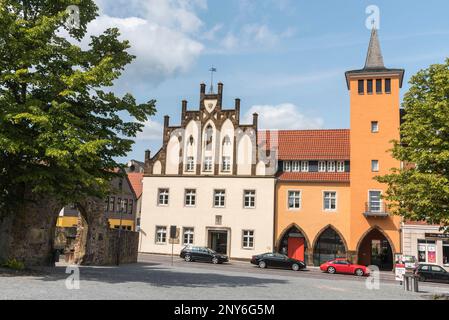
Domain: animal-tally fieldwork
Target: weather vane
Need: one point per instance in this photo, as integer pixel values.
(212, 70)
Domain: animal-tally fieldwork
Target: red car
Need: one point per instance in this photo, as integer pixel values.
(344, 266)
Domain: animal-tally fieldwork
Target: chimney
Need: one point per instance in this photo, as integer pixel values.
(184, 107)
(255, 118)
(202, 88)
(237, 109)
(147, 154)
(166, 121)
(220, 88)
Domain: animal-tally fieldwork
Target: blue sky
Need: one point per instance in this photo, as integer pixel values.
(284, 58)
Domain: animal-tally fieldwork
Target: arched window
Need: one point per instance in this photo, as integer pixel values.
(208, 137)
(329, 246)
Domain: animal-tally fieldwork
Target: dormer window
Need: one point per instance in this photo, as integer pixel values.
(304, 166)
(287, 166)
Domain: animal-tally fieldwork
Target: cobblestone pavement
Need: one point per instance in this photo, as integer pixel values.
(154, 277)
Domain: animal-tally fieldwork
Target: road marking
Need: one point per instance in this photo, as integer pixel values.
(331, 288)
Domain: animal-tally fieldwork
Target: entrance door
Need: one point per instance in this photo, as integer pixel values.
(218, 241)
(296, 248)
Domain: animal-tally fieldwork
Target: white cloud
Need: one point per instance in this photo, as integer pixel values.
(152, 130)
(282, 116)
(161, 34)
(254, 36)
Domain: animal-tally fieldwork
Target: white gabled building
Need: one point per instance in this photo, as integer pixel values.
(213, 180)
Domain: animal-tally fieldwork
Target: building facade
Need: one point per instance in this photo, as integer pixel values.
(329, 204)
(212, 181)
(120, 207)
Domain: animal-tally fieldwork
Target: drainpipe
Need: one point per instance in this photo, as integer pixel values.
(275, 213)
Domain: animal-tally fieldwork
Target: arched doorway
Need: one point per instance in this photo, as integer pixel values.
(294, 244)
(329, 245)
(374, 248)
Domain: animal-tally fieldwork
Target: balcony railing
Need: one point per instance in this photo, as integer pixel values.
(376, 209)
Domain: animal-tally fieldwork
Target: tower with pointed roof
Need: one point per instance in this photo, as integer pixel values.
(375, 118)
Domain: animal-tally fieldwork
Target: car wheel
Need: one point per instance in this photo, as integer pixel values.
(188, 258)
(215, 260)
(262, 265)
(295, 267)
(359, 272)
(331, 270)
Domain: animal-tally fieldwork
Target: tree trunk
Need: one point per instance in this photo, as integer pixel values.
(27, 234)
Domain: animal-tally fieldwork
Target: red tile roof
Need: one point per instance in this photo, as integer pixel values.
(308, 144)
(136, 180)
(314, 176)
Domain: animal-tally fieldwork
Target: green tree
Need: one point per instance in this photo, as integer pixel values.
(60, 128)
(420, 189)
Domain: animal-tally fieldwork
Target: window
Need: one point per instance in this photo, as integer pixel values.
(321, 166)
(226, 164)
(287, 166)
(219, 198)
(111, 204)
(330, 200)
(331, 166)
(190, 166)
(106, 204)
(446, 252)
(161, 234)
(208, 138)
(218, 220)
(294, 199)
(208, 164)
(295, 166)
(124, 206)
(249, 199)
(361, 86)
(427, 251)
(190, 198)
(163, 197)
(188, 236)
(119, 203)
(340, 166)
(374, 126)
(369, 84)
(375, 201)
(374, 165)
(387, 85)
(248, 239)
(305, 166)
(130, 206)
(378, 86)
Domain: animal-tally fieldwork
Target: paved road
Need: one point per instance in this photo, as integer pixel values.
(155, 278)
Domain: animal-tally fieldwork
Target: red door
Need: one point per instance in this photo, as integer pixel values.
(296, 248)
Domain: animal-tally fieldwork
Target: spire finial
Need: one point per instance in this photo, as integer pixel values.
(212, 70)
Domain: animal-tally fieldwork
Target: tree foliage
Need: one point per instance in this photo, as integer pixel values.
(60, 128)
(420, 189)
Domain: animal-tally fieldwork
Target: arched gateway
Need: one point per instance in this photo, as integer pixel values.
(294, 243)
(375, 248)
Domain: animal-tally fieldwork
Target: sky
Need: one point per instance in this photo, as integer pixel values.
(285, 59)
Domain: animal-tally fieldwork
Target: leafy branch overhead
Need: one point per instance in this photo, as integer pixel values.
(60, 129)
(420, 190)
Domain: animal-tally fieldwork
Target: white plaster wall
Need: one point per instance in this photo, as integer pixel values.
(202, 216)
(172, 161)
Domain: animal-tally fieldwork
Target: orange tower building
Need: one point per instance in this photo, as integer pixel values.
(375, 120)
(328, 204)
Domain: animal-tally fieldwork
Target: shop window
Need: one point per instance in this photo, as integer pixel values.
(427, 251)
(446, 252)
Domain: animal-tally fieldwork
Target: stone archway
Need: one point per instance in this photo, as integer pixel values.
(329, 244)
(375, 248)
(285, 240)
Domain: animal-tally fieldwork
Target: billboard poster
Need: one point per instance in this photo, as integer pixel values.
(399, 267)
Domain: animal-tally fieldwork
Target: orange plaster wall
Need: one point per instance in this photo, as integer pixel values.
(367, 146)
(311, 218)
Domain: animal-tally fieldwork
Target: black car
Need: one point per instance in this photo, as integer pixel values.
(431, 272)
(277, 260)
(191, 253)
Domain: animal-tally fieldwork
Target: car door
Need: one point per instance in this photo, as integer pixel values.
(425, 273)
(277, 260)
(341, 266)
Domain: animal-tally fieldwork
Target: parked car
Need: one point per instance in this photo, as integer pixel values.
(192, 253)
(277, 260)
(342, 265)
(432, 272)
